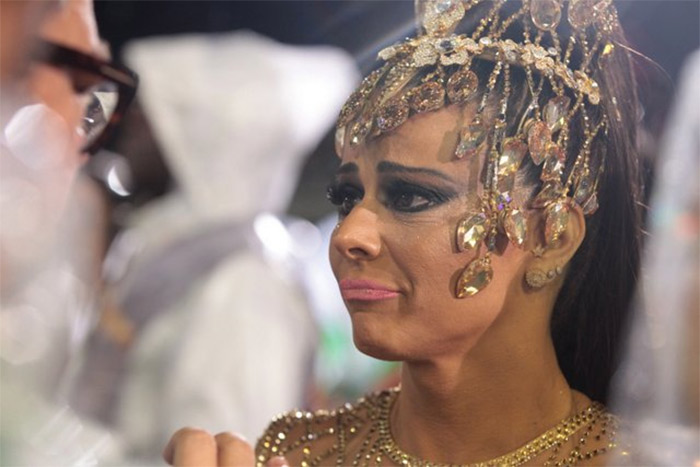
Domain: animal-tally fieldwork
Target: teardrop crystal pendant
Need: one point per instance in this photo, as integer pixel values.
(471, 231)
(550, 192)
(554, 113)
(556, 221)
(515, 225)
(470, 139)
(591, 205)
(580, 13)
(553, 166)
(511, 156)
(439, 16)
(545, 14)
(538, 138)
(475, 277)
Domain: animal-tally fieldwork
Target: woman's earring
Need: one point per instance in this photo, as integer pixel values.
(537, 278)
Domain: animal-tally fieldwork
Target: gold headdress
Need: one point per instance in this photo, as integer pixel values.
(556, 48)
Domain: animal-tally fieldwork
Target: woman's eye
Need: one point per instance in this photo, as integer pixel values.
(345, 197)
(406, 197)
(410, 202)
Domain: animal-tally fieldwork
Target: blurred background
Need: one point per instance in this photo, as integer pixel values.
(192, 285)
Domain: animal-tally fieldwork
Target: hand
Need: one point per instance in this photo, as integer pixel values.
(192, 447)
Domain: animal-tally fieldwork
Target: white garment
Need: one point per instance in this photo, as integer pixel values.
(235, 115)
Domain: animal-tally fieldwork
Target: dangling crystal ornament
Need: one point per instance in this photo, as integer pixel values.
(545, 14)
(591, 205)
(511, 157)
(557, 218)
(538, 138)
(515, 225)
(471, 231)
(470, 139)
(581, 13)
(553, 166)
(551, 191)
(584, 190)
(475, 277)
(439, 17)
(554, 113)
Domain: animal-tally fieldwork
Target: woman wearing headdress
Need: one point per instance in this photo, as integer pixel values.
(489, 230)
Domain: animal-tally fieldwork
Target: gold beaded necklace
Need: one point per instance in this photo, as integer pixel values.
(554, 437)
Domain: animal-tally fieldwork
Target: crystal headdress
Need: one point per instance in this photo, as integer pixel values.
(556, 48)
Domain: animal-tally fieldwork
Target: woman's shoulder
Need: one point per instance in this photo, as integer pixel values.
(307, 438)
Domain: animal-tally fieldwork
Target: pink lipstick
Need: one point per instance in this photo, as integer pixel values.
(360, 289)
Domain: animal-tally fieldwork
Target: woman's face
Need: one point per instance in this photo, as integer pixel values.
(393, 251)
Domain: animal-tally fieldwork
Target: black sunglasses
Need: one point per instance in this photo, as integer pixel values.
(110, 88)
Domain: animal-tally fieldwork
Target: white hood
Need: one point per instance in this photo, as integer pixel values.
(236, 114)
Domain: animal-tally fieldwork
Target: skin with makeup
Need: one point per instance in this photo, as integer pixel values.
(480, 377)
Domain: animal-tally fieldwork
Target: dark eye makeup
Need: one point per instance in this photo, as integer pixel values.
(397, 194)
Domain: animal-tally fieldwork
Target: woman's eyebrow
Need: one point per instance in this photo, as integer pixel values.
(393, 167)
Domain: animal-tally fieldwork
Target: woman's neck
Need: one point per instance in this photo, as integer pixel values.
(471, 409)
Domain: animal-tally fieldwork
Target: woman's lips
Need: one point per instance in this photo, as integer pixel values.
(365, 290)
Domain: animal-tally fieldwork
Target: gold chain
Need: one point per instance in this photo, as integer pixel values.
(553, 437)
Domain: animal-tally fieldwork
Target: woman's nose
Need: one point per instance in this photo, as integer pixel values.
(356, 237)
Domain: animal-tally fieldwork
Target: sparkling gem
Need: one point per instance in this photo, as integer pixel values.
(550, 192)
(594, 93)
(583, 191)
(359, 131)
(511, 156)
(387, 53)
(471, 231)
(538, 139)
(439, 16)
(553, 166)
(535, 278)
(554, 113)
(503, 199)
(475, 277)
(458, 58)
(580, 13)
(557, 218)
(552, 51)
(425, 54)
(392, 114)
(446, 45)
(539, 53)
(510, 50)
(545, 14)
(515, 225)
(608, 49)
(351, 108)
(485, 41)
(462, 85)
(471, 138)
(427, 96)
(470, 44)
(339, 140)
(591, 205)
